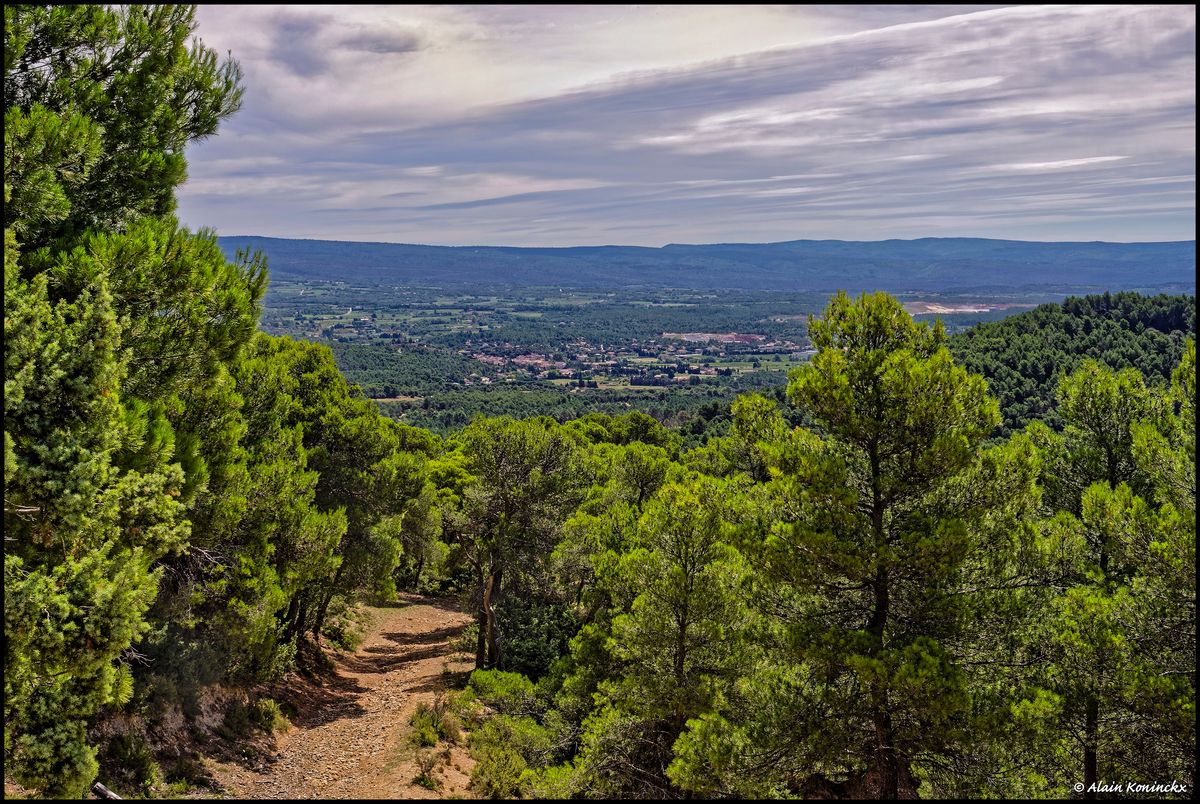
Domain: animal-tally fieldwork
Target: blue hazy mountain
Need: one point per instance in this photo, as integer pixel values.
(924, 264)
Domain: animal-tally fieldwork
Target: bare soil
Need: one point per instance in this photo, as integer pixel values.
(350, 736)
(949, 307)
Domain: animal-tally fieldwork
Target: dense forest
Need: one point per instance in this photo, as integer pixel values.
(920, 568)
(1025, 356)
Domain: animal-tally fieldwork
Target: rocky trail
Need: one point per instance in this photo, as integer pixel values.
(350, 737)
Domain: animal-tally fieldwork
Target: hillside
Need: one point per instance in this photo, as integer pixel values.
(1025, 356)
(925, 264)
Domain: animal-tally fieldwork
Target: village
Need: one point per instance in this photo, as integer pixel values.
(673, 358)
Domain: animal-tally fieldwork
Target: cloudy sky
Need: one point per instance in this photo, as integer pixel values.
(645, 125)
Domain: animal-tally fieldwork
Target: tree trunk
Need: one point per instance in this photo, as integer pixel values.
(481, 640)
(879, 614)
(1091, 714)
(289, 619)
(301, 615)
(882, 603)
(681, 647)
(889, 763)
(491, 593)
(325, 600)
(1090, 733)
(319, 622)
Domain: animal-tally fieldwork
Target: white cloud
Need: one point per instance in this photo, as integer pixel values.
(700, 123)
(1061, 163)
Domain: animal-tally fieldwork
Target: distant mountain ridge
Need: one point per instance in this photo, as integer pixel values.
(924, 264)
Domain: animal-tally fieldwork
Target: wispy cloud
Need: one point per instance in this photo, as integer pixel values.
(585, 125)
(1061, 163)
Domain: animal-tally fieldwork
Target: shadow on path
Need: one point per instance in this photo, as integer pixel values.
(318, 703)
(332, 695)
(351, 713)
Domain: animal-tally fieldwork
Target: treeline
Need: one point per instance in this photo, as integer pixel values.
(683, 407)
(1024, 356)
(876, 605)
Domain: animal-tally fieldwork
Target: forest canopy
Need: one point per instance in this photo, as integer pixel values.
(1024, 356)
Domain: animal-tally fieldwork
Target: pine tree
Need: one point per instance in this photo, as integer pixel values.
(526, 476)
(865, 546)
(80, 532)
(1123, 474)
(102, 289)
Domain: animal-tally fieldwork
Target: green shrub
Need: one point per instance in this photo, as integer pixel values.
(127, 765)
(266, 715)
(507, 693)
(466, 706)
(281, 662)
(536, 633)
(526, 736)
(464, 643)
(424, 726)
(435, 722)
(345, 627)
(236, 724)
(504, 748)
(178, 788)
(497, 772)
(554, 782)
(184, 773)
(426, 762)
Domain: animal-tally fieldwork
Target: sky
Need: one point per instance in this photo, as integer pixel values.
(648, 125)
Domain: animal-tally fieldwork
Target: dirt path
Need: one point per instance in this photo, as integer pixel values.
(350, 738)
